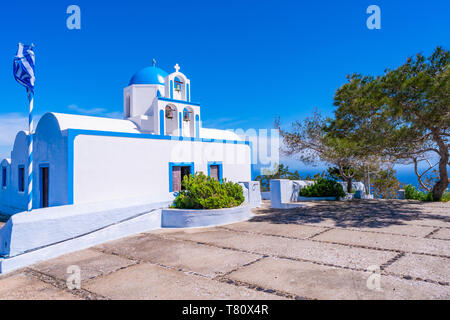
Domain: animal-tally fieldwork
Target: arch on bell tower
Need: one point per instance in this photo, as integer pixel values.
(178, 85)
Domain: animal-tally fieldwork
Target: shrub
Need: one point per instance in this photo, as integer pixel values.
(446, 197)
(412, 193)
(323, 188)
(202, 192)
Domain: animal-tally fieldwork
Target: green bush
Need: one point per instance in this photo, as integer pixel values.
(323, 188)
(202, 192)
(412, 193)
(446, 197)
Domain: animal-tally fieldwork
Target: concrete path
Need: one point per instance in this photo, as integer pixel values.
(327, 250)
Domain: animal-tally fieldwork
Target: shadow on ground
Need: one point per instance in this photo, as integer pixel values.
(352, 214)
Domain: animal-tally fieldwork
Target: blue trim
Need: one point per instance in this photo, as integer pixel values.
(161, 122)
(180, 125)
(220, 165)
(171, 89)
(178, 164)
(250, 144)
(197, 126)
(73, 133)
(188, 93)
(179, 101)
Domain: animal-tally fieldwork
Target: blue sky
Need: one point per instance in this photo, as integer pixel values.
(248, 61)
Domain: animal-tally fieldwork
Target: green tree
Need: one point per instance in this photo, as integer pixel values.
(401, 116)
(311, 142)
(385, 184)
(280, 171)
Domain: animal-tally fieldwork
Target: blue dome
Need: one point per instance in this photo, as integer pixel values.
(149, 75)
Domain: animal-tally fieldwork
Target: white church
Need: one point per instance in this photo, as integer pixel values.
(83, 159)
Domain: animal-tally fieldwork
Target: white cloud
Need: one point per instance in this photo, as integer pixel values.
(10, 125)
(92, 111)
(101, 112)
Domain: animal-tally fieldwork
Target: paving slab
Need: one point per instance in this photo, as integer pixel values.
(361, 214)
(404, 229)
(91, 263)
(298, 249)
(21, 287)
(443, 233)
(282, 229)
(321, 282)
(146, 281)
(392, 242)
(438, 222)
(202, 259)
(400, 229)
(423, 267)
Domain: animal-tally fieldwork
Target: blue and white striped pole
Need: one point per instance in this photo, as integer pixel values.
(30, 151)
(23, 69)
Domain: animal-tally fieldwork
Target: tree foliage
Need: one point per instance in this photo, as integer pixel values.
(401, 116)
(280, 171)
(323, 188)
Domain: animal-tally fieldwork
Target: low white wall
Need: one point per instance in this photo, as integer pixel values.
(144, 223)
(283, 191)
(181, 218)
(43, 227)
(252, 192)
(357, 186)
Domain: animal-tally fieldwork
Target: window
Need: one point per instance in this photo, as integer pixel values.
(215, 170)
(3, 177)
(177, 172)
(21, 178)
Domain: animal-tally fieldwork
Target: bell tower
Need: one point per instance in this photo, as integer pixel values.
(178, 86)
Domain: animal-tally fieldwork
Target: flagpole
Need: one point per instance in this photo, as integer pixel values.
(30, 150)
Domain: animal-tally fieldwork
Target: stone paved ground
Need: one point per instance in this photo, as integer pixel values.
(321, 251)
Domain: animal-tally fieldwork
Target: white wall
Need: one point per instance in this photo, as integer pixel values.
(119, 168)
(141, 98)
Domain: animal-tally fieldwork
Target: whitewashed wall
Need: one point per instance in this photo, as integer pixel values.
(120, 167)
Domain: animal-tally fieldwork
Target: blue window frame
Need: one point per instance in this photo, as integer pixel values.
(220, 168)
(4, 173)
(21, 176)
(178, 164)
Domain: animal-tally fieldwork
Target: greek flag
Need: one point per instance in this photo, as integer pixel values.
(24, 66)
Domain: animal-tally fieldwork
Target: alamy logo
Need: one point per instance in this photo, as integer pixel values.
(374, 281)
(374, 20)
(73, 22)
(74, 279)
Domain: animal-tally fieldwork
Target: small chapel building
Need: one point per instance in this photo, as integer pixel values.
(83, 159)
